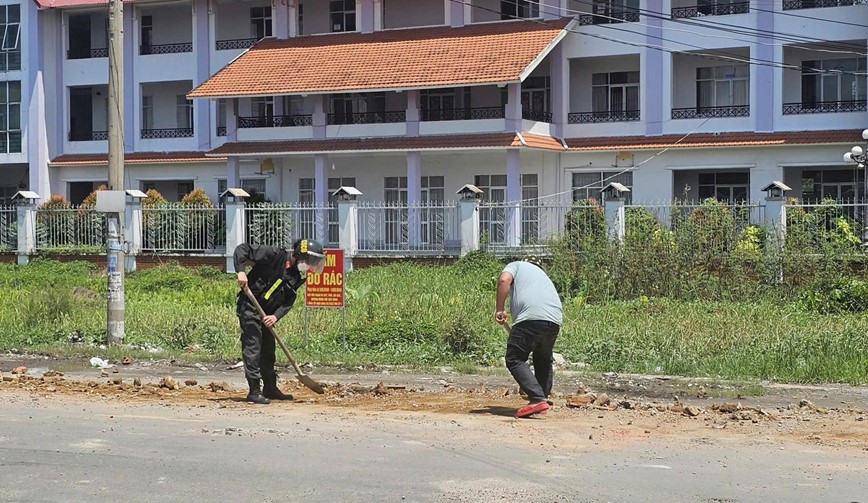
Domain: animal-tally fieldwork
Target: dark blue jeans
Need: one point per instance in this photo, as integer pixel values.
(537, 338)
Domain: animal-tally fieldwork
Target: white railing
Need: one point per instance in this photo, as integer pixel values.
(840, 222)
(71, 228)
(408, 229)
(183, 228)
(8, 228)
(280, 224)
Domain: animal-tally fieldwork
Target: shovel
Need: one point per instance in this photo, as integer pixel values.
(304, 378)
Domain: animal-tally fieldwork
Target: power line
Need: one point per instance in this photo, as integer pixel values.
(722, 56)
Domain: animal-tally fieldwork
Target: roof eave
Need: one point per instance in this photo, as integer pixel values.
(547, 50)
(365, 90)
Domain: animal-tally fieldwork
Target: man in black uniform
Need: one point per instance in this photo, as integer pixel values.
(274, 280)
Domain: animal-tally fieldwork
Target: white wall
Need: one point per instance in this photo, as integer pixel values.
(316, 17)
(165, 102)
(173, 24)
(684, 75)
(415, 13)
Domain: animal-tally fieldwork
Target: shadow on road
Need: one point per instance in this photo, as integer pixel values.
(495, 410)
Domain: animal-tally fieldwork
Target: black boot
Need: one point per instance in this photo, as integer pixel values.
(255, 395)
(270, 389)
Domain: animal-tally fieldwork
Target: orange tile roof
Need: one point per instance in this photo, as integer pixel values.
(715, 140)
(413, 58)
(57, 4)
(391, 143)
(132, 158)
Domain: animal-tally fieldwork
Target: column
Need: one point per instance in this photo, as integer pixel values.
(513, 107)
(33, 90)
(614, 209)
(202, 51)
(513, 197)
(233, 173)
(365, 16)
(321, 196)
(551, 9)
(651, 74)
(280, 18)
(292, 7)
(348, 238)
(131, 93)
(235, 227)
(469, 218)
(132, 232)
(319, 117)
(26, 230)
(231, 120)
(765, 94)
(414, 198)
(413, 112)
(560, 78)
(454, 13)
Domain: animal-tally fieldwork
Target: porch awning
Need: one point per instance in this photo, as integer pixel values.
(133, 158)
(390, 144)
(715, 140)
(417, 58)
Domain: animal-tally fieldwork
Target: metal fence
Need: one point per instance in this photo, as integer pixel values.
(842, 223)
(415, 229)
(70, 228)
(672, 216)
(280, 224)
(521, 227)
(184, 228)
(8, 228)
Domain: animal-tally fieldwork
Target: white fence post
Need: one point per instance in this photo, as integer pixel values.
(348, 235)
(615, 219)
(235, 226)
(469, 223)
(133, 231)
(26, 225)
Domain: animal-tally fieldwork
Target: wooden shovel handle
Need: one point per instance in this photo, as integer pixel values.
(273, 332)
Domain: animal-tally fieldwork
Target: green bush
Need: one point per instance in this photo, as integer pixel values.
(843, 295)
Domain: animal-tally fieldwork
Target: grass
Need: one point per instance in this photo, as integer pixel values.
(422, 316)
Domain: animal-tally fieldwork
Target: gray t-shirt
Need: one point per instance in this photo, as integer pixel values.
(532, 295)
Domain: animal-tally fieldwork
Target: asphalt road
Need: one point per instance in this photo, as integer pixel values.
(73, 449)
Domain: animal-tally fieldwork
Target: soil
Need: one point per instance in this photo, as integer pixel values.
(637, 406)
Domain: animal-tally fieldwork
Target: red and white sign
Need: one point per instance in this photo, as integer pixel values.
(327, 288)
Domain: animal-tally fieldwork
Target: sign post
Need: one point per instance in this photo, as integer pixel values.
(327, 289)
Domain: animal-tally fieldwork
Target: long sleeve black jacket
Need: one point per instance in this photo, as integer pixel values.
(273, 285)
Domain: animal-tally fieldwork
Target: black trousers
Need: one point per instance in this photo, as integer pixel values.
(257, 344)
(537, 338)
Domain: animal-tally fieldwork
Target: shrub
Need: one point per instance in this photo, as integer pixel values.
(198, 197)
(844, 295)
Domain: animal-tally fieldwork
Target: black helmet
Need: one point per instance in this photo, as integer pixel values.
(309, 251)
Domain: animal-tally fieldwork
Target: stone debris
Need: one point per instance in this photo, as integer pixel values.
(219, 386)
(117, 381)
(103, 373)
(692, 411)
(52, 373)
(602, 400)
(191, 382)
(726, 407)
(137, 382)
(169, 383)
(380, 389)
(127, 360)
(19, 370)
(581, 400)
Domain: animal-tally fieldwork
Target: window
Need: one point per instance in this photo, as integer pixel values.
(263, 108)
(345, 106)
(841, 83)
(722, 86)
(307, 190)
(147, 112)
(438, 104)
(725, 186)
(535, 97)
(293, 105)
(147, 24)
(184, 112)
(615, 92)
(10, 29)
(529, 208)
(493, 217)
(838, 184)
(588, 185)
(184, 188)
(343, 15)
(615, 11)
(10, 117)
(300, 19)
(6, 193)
(146, 186)
(512, 9)
(260, 22)
(221, 114)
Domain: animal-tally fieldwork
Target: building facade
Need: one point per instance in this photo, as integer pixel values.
(409, 100)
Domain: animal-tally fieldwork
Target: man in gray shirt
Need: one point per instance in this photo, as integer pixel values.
(537, 317)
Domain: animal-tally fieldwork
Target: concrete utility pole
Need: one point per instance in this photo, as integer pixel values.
(114, 223)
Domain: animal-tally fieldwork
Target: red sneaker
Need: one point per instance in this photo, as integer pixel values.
(532, 408)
